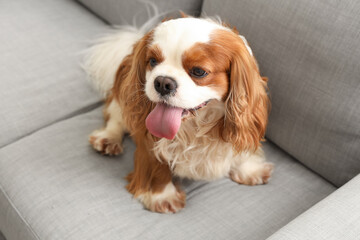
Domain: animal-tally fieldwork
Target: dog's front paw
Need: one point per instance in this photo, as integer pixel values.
(169, 200)
(252, 173)
(105, 143)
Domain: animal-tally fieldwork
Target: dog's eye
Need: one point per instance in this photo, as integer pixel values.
(153, 62)
(198, 72)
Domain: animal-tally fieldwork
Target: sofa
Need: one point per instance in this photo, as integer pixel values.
(53, 185)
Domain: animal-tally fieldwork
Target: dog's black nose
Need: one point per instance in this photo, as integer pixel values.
(165, 85)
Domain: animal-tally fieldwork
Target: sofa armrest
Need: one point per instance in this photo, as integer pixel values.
(335, 217)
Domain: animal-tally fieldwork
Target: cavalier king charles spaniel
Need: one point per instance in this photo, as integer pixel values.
(190, 95)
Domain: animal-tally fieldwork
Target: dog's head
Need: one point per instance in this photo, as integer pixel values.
(183, 64)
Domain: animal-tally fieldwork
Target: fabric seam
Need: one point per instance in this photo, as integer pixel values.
(7, 197)
(73, 114)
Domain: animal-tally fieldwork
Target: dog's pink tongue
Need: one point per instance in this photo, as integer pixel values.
(164, 121)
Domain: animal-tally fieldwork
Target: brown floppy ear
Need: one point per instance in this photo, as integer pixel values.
(129, 86)
(246, 103)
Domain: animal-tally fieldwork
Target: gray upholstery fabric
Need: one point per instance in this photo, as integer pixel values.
(122, 12)
(57, 187)
(17, 227)
(2, 236)
(336, 217)
(310, 52)
(41, 81)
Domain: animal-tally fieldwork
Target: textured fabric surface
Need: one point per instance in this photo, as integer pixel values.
(2, 236)
(336, 217)
(62, 189)
(17, 227)
(310, 52)
(41, 78)
(123, 12)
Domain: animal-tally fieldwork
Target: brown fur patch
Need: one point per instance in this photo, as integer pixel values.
(209, 58)
(149, 174)
(154, 52)
(246, 103)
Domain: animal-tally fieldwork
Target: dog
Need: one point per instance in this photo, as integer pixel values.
(189, 93)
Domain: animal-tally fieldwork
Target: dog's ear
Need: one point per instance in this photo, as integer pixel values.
(165, 19)
(183, 15)
(129, 85)
(247, 102)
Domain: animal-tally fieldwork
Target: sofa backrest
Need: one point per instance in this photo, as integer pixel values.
(124, 12)
(310, 50)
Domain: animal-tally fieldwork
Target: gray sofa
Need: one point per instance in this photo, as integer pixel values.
(54, 186)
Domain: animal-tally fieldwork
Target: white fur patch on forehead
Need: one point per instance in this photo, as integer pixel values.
(178, 35)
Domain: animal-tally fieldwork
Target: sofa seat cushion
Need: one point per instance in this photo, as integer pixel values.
(310, 52)
(41, 78)
(55, 186)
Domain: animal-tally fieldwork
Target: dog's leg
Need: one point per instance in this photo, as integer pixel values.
(108, 140)
(151, 182)
(251, 169)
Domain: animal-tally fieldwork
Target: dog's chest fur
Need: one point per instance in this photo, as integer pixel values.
(195, 154)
